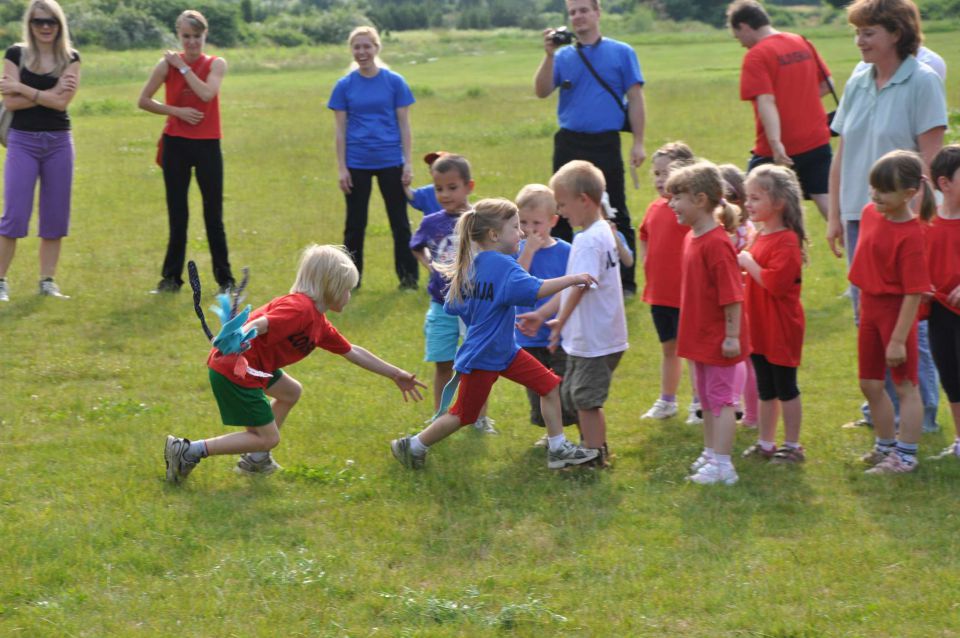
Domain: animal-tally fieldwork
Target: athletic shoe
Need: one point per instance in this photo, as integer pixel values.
(401, 452)
(661, 410)
(701, 461)
(758, 451)
(858, 423)
(178, 467)
(875, 456)
(4, 290)
(952, 450)
(266, 467)
(893, 464)
(226, 288)
(788, 454)
(49, 288)
(166, 285)
(694, 414)
(484, 425)
(543, 441)
(570, 454)
(712, 473)
(749, 425)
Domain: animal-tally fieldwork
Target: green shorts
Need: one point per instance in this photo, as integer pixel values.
(247, 407)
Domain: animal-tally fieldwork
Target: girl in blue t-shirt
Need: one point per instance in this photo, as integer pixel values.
(371, 114)
(486, 283)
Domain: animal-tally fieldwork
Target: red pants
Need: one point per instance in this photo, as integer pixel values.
(475, 386)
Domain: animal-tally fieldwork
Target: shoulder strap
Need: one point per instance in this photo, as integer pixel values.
(823, 73)
(597, 77)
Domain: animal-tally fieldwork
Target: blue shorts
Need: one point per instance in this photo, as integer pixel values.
(442, 334)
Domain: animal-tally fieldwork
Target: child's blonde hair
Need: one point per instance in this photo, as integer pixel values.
(675, 151)
(733, 192)
(580, 177)
(325, 273)
(536, 196)
(474, 226)
(374, 35)
(781, 184)
(704, 177)
(900, 170)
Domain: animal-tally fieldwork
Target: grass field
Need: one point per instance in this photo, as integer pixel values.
(486, 541)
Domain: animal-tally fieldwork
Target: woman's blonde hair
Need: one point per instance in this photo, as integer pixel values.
(194, 19)
(784, 189)
(474, 226)
(900, 170)
(325, 273)
(704, 177)
(62, 47)
(374, 35)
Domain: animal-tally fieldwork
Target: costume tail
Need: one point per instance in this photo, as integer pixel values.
(195, 286)
(446, 397)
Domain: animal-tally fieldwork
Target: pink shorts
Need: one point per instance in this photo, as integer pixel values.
(719, 386)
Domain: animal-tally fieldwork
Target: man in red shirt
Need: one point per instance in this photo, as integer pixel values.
(784, 77)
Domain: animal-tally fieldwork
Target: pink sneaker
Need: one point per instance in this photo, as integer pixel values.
(893, 464)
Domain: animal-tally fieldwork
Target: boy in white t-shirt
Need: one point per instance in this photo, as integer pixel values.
(591, 321)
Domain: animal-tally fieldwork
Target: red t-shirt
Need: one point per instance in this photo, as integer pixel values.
(664, 236)
(711, 280)
(890, 258)
(776, 315)
(786, 66)
(179, 93)
(943, 258)
(295, 327)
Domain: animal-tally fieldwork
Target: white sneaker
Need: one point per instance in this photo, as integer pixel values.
(701, 461)
(484, 425)
(712, 474)
(543, 441)
(4, 290)
(692, 418)
(661, 410)
(951, 451)
(49, 288)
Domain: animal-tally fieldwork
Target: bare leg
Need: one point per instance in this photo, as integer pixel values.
(254, 439)
(8, 246)
(693, 381)
(441, 376)
(49, 256)
(593, 426)
(792, 417)
(821, 200)
(285, 392)
(724, 430)
(955, 410)
(442, 427)
(769, 413)
(881, 408)
(552, 413)
(911, 412)
(671, 368)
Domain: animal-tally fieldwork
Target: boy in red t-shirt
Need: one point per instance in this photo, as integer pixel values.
(889, 267)
(660, 243)
(713, 327)
(288, 329)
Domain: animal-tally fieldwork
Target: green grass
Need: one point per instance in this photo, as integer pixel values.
(486, 541)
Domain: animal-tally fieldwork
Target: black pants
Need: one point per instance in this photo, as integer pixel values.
(358, 201)
(603, 151)
(180, 155)
(945, 347)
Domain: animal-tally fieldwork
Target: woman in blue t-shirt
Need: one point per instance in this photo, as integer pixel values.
(370, 108)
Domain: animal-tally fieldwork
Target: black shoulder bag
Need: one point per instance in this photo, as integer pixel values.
(626, 128)
(826, 79)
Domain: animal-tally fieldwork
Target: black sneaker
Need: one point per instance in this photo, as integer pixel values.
(166, 285)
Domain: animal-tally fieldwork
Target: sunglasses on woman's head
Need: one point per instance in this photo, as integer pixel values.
(44, 22)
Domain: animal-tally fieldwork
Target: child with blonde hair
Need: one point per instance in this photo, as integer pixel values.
(486, 283)
(889, 267)
(287, 329)
(713, 327)
(773, 265)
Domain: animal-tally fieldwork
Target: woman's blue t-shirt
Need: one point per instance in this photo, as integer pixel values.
(499, 284)
(373, 133)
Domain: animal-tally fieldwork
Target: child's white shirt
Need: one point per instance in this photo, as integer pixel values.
(598, 325)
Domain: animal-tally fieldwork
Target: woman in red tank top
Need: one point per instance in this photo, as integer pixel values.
(191, 141)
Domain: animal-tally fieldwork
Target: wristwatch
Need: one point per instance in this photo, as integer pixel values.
(184, 70)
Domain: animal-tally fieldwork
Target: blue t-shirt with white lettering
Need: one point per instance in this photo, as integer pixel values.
(436, 233)
(499, 284)
(373, 133)
(584, 105)
(425, 199)
(547, 263)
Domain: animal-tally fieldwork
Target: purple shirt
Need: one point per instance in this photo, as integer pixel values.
(436, 233)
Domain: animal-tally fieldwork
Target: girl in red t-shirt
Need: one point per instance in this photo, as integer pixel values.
(661, 251)
(773, 264)
(712, 331)
(287, 329)
(889, 267)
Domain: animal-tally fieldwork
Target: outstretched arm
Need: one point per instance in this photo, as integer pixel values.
(406, 381)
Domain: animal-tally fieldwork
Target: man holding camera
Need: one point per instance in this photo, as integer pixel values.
(601, 93)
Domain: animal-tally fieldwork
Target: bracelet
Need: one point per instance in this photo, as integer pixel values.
(184, 70)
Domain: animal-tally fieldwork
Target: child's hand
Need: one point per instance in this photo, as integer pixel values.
(954, 297)
(409, 385)
(555, 329)
(584, 280)
(534, 243)
(745, 258)
(730, 347)
(896, 353)
(529, 323)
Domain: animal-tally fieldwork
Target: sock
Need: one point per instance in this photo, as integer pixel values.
(907, 452)
(417, 448)
(956, 446)
(792, 445)
(767, 445)
(556, 442)
(886, 445)
(709, 453)
(258, 457)
(196, 451)
(722, 459)
(669, 398)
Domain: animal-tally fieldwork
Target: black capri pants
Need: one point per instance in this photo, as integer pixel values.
(773, 381)
(944, 327)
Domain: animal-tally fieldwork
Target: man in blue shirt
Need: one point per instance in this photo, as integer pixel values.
(590, 118)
